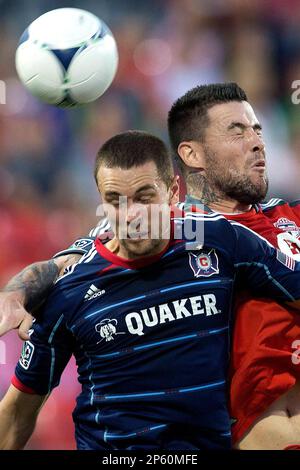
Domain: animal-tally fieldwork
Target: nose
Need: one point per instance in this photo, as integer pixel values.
(257, 143)
(133, 212)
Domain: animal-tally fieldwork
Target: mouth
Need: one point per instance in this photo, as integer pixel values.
(138, 236)
(259, 165)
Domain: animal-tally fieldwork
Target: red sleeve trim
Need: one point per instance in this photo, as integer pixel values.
(292, 447)
(16, 383)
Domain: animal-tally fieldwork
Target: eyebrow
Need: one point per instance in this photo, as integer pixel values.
(243, 127)
(112, 194)
(146, 187)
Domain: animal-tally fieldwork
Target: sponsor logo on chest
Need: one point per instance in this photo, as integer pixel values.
(205, 304)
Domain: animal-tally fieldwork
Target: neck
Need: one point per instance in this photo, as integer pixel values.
(213, 198)
(229, 206)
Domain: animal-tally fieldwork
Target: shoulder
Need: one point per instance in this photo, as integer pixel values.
(198, 220)
(86, 265)
(82, 245)
(287, 214)
(69, 288)
(211, 229)
(275, 202)
(243, 231)
(295, 203)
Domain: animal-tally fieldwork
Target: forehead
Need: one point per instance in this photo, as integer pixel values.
(224, 114)
(127, 182)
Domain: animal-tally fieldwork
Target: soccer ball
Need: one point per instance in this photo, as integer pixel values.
(67, 57)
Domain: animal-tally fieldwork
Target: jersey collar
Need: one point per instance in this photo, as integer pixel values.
(127, 263)
(139, 262)
(191, 202)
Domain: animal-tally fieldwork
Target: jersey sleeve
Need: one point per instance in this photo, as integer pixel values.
(45, 356)
(264, 269)
(82, 246)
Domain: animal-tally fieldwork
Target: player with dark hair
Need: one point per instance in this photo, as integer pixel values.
(228, 181)
(135, 148)
(28, 289)
(218, 141)
(147, 320)
(224, 178)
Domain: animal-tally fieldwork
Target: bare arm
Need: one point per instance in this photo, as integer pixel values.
(27, 290)
(18, 415)
(34, 282)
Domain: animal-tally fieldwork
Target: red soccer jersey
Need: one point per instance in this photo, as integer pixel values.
(261, 365)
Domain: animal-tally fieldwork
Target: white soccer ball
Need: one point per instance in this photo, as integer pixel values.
(67, 57)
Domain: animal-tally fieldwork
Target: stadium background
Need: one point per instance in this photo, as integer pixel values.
(47, 195)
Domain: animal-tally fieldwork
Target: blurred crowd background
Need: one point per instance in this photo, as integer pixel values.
(47, 193)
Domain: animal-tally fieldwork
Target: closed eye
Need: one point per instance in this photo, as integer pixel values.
(145, 198)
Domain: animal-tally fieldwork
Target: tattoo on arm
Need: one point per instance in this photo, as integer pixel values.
(35, 281)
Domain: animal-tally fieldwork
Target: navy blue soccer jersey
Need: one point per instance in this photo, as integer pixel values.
(151, 337)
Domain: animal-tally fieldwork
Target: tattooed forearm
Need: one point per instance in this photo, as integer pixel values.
(35, 282)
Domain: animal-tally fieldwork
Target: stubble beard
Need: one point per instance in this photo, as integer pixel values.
(139, 249)
(229, 183)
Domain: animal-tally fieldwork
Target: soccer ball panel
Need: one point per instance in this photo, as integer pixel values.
(92, 70)
(44, 75)
(64, 28)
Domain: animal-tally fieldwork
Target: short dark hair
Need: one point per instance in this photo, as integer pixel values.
(134, 148)
(188, 117)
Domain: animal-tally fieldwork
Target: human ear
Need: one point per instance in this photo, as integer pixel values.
(174, 190)
(192, 154)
